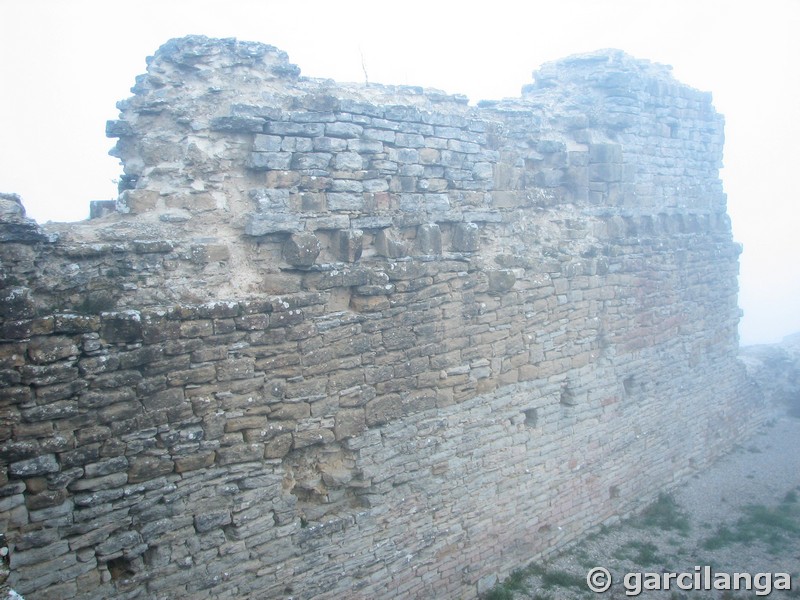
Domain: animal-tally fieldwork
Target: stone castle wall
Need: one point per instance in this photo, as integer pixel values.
(364, 341)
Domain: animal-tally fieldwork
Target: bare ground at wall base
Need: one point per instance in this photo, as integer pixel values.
(742, 515)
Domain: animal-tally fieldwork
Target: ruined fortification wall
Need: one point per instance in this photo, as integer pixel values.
(364, 341)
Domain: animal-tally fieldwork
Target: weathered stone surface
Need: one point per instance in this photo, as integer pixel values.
(121, 326)
(147, 467)
(41, 465)
(367, 327)
(466, 237)
(429, 238)
(501, 280)
(263, 224)
(301, 249)
(350, 245)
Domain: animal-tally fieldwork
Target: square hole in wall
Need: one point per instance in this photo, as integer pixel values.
(628, 384)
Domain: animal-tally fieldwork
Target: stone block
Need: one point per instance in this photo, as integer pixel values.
(311, 160)
(214, 519)
(279, 446)
(388, 245)
(371, 222)
(16, 304)
(40, 465)
(301, 249)
(383, 409)
(118, 129)
(466, 237)
(605, 172)
(313, 437)
(193, 462)
(286, 128)
(345, 201)
(605, 153)
(269, 161)
(144, 468)
(349, 423)
(240, 453)
(265, 224)
(501, 280)
(125, 326)
(350, 245)
(343, 130)
(237, 124)
(267, 143)
(209, 253)
(43, 350)
(270, 199)
(549, 178)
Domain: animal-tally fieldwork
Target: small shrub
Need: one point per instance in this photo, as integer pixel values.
(640, 553)
(664, 514)
(771, 526)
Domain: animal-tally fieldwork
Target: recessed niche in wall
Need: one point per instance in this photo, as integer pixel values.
(567, 397)
(120, 568)
(628, 384)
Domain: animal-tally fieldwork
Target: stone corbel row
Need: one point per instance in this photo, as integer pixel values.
(302, 248)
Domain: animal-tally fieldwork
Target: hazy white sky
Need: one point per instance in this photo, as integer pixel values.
(64, 64)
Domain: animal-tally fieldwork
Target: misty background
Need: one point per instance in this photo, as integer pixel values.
(64, 65)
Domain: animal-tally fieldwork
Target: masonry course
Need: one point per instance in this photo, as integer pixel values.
(365, 341)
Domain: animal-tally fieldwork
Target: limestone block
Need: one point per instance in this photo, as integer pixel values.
(16, 304)
(41, 465)
(125, 326)
(371, 222)
(208, 253)
(388, 245)
(139, 201)
(383, 409)
(328, 144)
(211, 520)
(312, 437)
(267, 143)
(148, 467)
(265, 224)
(343, 130)
(605, 153)
(301, 249)
(311, 160)
(429, 239)
(350, 245)
(549, 178)
(279, 446)
(466, 237)
(237, 124)
(266, 161)
(44, 350)
(295, 129)
(369, 303)
(605, 172)
(348, 161)
(239, 453)
(270, 199)
(501, 280)
(345, 201)
(118, 129)
(483, 216)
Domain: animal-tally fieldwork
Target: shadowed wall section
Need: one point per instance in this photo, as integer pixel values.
(340, 340)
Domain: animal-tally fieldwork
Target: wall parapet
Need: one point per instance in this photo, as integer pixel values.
(362, 340)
